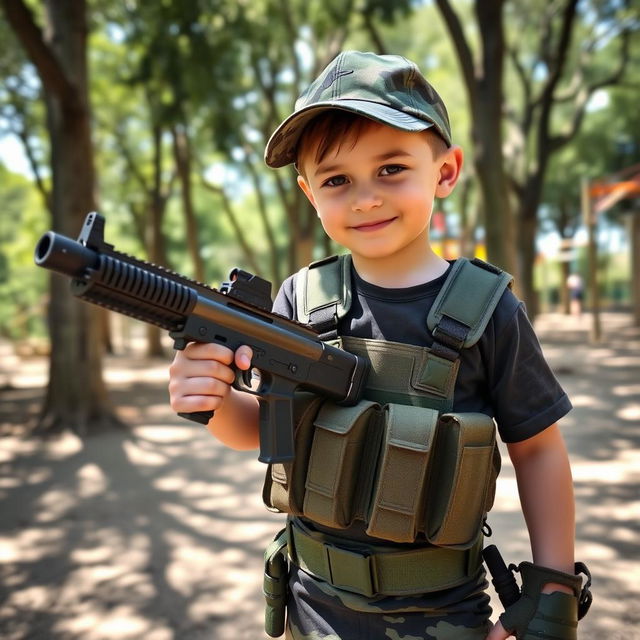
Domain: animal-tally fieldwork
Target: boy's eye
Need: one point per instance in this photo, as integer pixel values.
(335, 181)
(391, 169)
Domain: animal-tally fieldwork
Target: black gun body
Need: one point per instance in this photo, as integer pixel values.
(288, 355)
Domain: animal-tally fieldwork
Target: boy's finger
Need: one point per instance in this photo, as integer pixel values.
(243, 357)
(208, 351)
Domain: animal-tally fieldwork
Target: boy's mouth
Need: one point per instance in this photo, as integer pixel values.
(374, 226)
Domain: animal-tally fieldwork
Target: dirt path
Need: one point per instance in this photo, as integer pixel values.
(158, 533)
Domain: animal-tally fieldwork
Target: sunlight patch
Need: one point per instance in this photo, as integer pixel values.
(631, 413)
(92, 480)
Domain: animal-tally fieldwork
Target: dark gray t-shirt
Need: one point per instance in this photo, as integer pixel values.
(504, 375)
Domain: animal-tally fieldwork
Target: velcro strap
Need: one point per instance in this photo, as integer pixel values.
(398, 501)
(444, 352)
(468, 297)
(451, 333)
(325, 321)
(378, 570)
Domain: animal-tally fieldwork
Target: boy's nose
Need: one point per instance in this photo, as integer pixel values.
(365, 198)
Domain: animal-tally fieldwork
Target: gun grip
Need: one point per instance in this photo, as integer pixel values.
(201, 417)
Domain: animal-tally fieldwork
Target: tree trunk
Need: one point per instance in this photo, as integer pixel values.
(635, 265)
(182, 154)
(527, 257)
(155, 241)
(565, 293)
(527, 219)
(487, 138)
(76, 396)
(483, 82)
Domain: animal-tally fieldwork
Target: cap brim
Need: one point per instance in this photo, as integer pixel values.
(281, 148)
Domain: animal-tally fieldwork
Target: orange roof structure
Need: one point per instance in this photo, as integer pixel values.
(611, 190)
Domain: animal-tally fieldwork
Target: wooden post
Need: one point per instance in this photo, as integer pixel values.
(590, 220)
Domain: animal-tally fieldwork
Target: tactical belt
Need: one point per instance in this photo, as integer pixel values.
(381, 570)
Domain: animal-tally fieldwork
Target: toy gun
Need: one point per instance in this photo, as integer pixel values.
(287, 355)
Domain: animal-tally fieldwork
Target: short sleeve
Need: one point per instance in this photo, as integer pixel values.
(284, 304)
(525, 394)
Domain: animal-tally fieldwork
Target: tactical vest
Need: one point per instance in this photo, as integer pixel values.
(400, 460)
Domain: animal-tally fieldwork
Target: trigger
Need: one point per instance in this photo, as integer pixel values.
(246, 380)
(246, 377)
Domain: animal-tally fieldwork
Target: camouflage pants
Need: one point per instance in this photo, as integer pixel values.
(392, 628)
(314, 616)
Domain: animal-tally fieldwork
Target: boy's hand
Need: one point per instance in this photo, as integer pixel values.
(201, 375)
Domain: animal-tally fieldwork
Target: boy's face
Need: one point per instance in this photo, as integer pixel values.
(374, 195)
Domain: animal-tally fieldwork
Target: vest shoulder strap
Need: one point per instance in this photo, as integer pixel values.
(457, 319)
(466, 302)
(323, 292)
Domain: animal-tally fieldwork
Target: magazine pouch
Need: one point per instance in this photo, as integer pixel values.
(398, 501)
(462, 484)
(341, 463)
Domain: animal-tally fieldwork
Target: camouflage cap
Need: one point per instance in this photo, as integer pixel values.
(388, 89)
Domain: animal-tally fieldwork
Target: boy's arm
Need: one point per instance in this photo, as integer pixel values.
(235, 424)
(545, 486)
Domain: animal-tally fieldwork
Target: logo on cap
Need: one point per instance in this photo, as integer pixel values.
(332, 77)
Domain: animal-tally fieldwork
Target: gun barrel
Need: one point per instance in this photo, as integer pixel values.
(64, 255)
(112, 282)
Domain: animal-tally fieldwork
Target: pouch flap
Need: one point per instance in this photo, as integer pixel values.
(475, 429)
(340, 419)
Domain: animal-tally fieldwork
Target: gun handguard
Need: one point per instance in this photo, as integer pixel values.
(288, 355)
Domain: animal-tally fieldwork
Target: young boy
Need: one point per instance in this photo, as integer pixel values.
(371, 141)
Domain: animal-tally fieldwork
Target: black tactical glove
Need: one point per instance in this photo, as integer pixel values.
(553, 616)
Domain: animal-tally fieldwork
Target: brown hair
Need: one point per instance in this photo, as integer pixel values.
(329, 130)
(335, 127)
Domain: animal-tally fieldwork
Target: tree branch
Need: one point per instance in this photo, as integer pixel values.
(233, 220)
(18, 126)
(465, 56)
(556, 66)
(262, 211)
(529, 104)
(374, 33)
(40, 53)
(613, 78)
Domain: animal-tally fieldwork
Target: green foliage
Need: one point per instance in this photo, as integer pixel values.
(22, 285)
(227, 72)
(608, 143)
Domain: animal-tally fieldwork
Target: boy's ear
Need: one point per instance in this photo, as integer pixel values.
(304, 185)
(450, 167)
